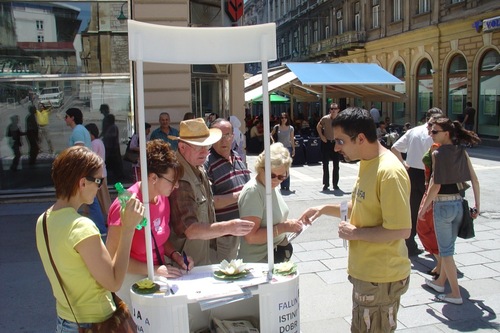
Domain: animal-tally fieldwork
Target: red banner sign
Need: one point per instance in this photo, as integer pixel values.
(234, 9)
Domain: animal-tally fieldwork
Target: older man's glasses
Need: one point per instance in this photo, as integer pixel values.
(279, 177)
(98, 181)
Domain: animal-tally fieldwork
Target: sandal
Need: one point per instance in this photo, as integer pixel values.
(452, 300)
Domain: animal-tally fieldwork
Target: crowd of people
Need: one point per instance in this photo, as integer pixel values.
(205, 207)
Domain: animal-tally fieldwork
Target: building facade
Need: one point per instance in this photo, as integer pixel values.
(446, 51)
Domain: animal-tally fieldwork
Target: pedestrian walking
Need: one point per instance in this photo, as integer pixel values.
(285, 133)
(42, 117)
(328, 153)
(32, 134)
(415, 143)
(451, 165)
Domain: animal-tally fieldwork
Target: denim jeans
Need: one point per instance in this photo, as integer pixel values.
(447, 220)
(66, 326)
(285, 184)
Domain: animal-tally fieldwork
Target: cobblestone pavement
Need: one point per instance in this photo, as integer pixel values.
(325, 294)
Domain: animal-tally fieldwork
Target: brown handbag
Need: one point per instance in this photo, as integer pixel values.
(120, 322)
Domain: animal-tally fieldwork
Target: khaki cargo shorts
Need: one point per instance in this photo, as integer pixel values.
(375, 305)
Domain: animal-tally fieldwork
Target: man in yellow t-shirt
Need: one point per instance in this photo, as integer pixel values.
(380, 221)
(42, 118)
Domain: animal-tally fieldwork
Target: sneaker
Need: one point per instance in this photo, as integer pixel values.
(325, 188)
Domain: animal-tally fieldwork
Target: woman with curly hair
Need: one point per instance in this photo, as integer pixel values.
(451, 165)
(164, 172)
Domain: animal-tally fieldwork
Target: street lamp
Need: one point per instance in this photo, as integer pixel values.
(122, 16)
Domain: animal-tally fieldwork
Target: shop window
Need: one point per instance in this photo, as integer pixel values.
(425, 88)
(457, 87)
(399, 115)
(488, 120)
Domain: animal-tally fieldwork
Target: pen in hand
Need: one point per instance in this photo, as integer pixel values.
(186, 261)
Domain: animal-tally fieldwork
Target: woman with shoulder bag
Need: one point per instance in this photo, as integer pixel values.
(80, 269)
(451, 165)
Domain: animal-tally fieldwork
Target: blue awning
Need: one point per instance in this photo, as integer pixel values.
(306, 82)
(341, 74)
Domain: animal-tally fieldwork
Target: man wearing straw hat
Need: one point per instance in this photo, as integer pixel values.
(192, 212)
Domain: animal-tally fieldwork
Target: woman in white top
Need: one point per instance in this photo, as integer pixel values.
(284, 133)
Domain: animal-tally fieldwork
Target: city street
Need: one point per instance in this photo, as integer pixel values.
(325, 294)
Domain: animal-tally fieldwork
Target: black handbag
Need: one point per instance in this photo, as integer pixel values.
(283, 251)
(466, 229)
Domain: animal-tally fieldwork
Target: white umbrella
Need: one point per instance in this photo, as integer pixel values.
(182, 45)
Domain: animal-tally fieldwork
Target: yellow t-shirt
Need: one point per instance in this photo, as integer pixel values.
(42, 117)
(89, 300)
(381, 197)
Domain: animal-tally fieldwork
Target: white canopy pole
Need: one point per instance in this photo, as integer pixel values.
(267, 173)
(144, 169)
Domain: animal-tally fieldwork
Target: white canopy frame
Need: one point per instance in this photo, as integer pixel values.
(186, 45)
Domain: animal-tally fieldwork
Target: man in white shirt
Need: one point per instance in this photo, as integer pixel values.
(375, 113)
(415, 143)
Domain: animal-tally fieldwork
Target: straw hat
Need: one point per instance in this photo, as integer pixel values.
(196, 132)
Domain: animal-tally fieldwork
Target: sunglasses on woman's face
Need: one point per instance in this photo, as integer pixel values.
(280, 177)
(98, 181)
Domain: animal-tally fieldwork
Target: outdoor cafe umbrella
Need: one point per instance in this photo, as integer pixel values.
(273, 98)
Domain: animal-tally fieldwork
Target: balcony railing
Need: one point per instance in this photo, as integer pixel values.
(348, 41)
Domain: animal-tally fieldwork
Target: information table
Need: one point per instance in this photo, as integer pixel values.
(187, 304)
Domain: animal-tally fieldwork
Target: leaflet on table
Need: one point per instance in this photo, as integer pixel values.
(203, 285)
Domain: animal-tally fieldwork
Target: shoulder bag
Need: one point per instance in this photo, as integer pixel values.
(131, 156)
(466, 229)
(120, 322)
